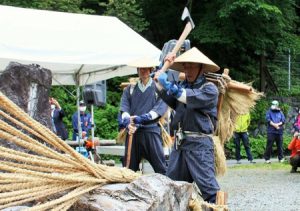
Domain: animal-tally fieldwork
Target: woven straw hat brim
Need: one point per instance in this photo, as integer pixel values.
(194, 56)
(144, 63)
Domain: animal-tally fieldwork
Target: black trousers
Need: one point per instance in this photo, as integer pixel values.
(277, 138)
(147, 145)
(295, 161)
(245, 139)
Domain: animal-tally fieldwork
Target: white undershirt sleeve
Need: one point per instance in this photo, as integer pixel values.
(154, 115)
(125, 114)
(182, 98)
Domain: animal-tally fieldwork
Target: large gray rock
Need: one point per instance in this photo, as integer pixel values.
(28, 86)
(150, 192)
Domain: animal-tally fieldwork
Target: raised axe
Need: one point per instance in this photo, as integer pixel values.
(187, 29)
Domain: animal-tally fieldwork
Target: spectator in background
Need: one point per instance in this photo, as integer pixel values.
(85, 119)
(297, 122)
(241, 133)
(57, 115)
(275, 119)
(294, 146)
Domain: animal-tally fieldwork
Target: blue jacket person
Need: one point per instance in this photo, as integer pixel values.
(85, 119)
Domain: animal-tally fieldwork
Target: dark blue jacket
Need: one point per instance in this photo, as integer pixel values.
(275, 116)
(199, 114)
(139, 103)
(86, 122)
(61, 130)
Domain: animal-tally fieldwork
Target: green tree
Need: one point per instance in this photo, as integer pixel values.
(74, 6)
(237, 32)
(128, 11)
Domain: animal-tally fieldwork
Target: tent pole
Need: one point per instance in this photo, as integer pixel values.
(93, 126)
(78, 119)
(77, 77)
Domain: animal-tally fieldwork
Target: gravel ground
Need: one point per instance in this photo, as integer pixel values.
(261, 188)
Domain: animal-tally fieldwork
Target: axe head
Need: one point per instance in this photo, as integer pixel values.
(187, 17)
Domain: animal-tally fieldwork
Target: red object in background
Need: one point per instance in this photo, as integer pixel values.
(294, 146)
(89, 144)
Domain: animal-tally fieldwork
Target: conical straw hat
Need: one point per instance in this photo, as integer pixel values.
(144, 63)
(194, 56)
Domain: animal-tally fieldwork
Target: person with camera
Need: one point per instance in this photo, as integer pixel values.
(195, 104)
(57, 115)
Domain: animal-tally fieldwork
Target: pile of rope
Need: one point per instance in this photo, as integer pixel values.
(48, 171)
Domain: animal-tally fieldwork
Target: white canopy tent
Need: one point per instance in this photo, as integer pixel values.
(79, 49)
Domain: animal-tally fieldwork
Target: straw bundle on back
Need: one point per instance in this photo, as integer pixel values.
(239, 98)
(235, 98)
(30, 178)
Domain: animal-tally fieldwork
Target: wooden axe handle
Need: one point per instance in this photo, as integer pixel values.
(187, 29)
(128, 151)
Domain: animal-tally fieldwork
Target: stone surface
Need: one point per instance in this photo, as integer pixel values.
(28, 86)
(150, 192)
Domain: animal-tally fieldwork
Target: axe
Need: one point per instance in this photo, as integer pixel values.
(187, 29)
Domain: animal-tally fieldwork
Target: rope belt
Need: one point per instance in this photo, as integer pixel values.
(196, 134)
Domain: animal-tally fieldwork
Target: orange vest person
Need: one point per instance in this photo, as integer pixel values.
(294, 146)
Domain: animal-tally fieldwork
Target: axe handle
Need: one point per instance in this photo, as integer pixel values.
(187, 29)
(128, 151)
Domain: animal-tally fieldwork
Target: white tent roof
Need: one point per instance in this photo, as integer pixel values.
(98, 46)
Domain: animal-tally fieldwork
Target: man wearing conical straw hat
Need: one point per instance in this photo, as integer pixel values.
(195, 103)
(140, 110)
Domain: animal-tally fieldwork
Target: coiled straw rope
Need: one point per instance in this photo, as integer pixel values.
(48, 170)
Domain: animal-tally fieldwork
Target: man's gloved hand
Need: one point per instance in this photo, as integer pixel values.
(139, 120)
(171, 88)
(163, 80)
(175, 90)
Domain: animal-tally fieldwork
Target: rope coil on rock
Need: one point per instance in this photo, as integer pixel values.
(49, 170)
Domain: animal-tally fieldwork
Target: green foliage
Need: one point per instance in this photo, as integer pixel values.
(258, 114)
(258, 146)
(128, 11)
(106, 122)
(56, 5)
(234, 33)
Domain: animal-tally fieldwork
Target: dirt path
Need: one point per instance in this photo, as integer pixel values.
(261, 189)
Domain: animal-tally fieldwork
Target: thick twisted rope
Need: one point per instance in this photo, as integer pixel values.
(49, 170)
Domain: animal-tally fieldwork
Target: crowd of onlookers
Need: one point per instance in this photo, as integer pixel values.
(275, 120)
